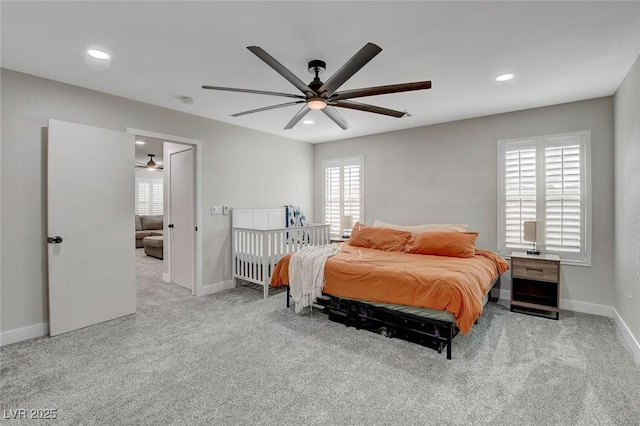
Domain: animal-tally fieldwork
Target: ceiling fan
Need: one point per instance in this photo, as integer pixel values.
(151, 165)
(323, 96)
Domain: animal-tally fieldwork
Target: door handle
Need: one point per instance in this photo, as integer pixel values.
(170, 225)
(54, 240)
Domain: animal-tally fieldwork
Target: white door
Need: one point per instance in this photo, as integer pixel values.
(181, 218)
(90, 205)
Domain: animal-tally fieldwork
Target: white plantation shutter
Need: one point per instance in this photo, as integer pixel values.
(520, 191)
(351, 189)
(546, 179)
(332, 198)
(564, 223)
(156, 198)
(143, 198)
(149, 196)
(342, 191)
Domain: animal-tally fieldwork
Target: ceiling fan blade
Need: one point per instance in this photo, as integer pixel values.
(336, 117)
(266, 108)
(381, 90)
(280, 69)
(368, 108)
(258, 92)
(359, 60)
(296, 118)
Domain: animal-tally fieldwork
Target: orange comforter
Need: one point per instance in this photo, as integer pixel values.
(454, 284)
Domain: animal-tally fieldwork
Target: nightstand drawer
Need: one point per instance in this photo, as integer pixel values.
(534, 269)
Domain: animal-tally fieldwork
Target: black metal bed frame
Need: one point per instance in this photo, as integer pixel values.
(432, 333)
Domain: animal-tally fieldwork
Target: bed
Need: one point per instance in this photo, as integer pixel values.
(261, 237)
(425, 287)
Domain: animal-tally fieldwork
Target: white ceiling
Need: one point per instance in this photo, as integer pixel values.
(161, 51)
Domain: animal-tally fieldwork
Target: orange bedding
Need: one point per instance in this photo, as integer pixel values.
(454, 284)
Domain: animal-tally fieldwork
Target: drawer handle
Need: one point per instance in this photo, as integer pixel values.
(535, 270)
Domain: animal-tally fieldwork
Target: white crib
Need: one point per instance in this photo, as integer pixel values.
(260, 240)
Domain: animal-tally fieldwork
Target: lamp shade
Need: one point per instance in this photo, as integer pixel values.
(346, 222)
(531, 231)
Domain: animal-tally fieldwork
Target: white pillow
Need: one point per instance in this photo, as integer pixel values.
(430, 227)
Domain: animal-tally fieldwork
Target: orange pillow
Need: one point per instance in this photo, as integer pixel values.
(452, 244)
(378, 238)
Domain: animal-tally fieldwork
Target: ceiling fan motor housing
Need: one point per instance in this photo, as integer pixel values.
(317, 66)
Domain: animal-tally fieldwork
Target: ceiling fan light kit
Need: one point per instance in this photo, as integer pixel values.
(323, 96)
(316, 103)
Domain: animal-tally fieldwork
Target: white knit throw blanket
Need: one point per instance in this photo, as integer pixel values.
(306, 273)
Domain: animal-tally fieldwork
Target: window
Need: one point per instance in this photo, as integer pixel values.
(546, 179)
(149, 196)
(342, 191)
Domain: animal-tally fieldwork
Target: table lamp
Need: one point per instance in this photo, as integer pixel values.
(531, 231)
(346, 223)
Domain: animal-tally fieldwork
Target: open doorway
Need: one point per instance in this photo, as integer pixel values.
(149, 203)
(176, 207)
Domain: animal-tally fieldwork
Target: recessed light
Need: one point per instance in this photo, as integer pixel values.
(98, 54)
(308, 121)
(504, 77)
(140, 142)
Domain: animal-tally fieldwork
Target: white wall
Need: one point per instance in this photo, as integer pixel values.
(627, 200)
(149, 174)
(448, 173)
(241, 168)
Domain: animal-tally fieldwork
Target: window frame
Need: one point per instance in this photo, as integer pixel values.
(341, 163)
(583, 258)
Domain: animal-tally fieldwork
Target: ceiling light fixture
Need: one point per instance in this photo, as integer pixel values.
(316, 103)
(504, 77)
(308, 121)
(140, 142)
(98, 54)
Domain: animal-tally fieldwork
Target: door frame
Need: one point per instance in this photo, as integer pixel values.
(196, 144)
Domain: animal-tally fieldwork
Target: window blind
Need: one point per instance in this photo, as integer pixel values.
(520, 191)
(342, 191)
(332, 198)
(149, 197)
(546, 180)
(564, 188)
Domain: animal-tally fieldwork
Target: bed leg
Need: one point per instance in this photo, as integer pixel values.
(288, 295)
(266, 291)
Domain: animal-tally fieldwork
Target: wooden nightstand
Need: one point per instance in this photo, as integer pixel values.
(535, 284)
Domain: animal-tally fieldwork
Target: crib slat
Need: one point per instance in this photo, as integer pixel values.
(255, 253)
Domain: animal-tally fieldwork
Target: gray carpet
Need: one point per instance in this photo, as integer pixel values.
(234, 358)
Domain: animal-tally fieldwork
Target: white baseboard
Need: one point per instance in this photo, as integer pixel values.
(165, 278)
(587, 308)
(214, 288)
(24, 333)
(628, 337)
